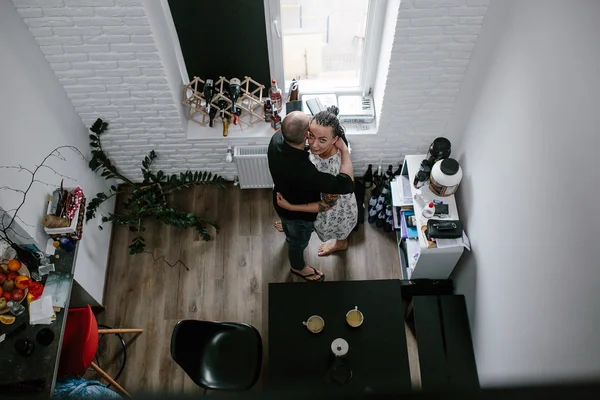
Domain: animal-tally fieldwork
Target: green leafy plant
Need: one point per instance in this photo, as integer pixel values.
(148, 198)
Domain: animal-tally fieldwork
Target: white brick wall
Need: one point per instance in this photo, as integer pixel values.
(104, 54)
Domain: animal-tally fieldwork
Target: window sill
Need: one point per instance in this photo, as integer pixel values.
(259, 130)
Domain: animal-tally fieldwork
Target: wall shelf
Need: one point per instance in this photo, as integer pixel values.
(430, 262)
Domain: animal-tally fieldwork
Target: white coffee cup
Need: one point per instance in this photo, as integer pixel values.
(354, 318)
(315, 324)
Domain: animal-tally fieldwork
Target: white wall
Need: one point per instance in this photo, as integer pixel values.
(385, 54)
(113, 59)
(36, 116)
(529, 113)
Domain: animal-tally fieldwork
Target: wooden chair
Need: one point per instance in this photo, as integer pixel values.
(80, 343)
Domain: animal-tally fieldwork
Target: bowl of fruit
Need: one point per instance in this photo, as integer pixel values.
(14, 283)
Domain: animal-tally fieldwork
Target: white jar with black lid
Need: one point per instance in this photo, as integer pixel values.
(445, 177)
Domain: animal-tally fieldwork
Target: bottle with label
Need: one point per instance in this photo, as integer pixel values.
(380, 219)
(275, 120)
(268, 109)
(372, 202)
(275, 95)
(380, 202)
(368, 177)
(372, 215)
(429, 211)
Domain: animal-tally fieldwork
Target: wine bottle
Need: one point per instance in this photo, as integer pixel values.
(380, 203)
(380, 219)
(275, 120)
(399, 170)
(377, 181)
(268, 109)
(368, 177)
(372, 202)
(372, 215)
(390, 171)
(389, 224)
(385, 188)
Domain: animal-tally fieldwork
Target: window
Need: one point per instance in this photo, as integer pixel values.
(332, 46)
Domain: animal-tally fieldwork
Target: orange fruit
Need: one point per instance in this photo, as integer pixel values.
(1, 291)
(14, 265)
(21, 282)
(7, 319)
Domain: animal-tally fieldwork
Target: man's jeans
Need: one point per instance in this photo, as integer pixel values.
(297, 233)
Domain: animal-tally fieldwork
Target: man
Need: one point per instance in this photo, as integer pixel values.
(298, 180)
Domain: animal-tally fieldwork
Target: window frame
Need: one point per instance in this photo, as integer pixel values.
(371, 50)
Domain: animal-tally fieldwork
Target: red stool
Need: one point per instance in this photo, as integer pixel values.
(80, 343)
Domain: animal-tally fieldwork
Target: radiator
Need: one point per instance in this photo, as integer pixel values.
(252, 167)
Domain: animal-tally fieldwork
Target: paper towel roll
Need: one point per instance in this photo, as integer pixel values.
(339, 347)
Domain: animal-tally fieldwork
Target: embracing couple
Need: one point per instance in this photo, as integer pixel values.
(314, 188)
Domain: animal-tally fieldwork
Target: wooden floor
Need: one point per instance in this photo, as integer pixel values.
(227, 280)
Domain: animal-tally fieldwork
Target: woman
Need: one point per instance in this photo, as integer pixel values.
(337, 214)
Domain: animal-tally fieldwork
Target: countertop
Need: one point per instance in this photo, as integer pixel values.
(43, 362)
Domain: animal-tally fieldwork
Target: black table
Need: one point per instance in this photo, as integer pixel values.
(43, 362)
(299, 360)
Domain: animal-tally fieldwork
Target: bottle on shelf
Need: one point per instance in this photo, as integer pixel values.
(275, 95)
(268, 110)
(275, 120)
(429, 211)
(368, 177)
(425, 167)
(420, 179)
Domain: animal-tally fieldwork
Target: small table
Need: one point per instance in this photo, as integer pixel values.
(43, 362)
(300, 360)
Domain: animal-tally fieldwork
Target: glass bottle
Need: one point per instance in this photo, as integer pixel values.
(276, 120)
(275, 95)
(368, 177)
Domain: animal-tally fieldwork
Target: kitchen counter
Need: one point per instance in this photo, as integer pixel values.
(42, 365)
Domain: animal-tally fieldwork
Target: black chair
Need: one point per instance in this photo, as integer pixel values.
(224, 356)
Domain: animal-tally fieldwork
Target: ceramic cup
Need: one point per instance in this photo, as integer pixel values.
(354, 318)
(315, 324)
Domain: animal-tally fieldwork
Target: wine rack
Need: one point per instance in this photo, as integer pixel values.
(250, 101)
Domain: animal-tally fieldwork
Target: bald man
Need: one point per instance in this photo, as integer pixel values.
(299, 182)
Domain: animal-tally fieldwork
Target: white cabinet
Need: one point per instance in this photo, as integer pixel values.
(423, 262)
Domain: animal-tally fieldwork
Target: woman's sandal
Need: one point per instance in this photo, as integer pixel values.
(305, 277)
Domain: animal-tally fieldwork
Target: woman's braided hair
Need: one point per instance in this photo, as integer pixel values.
(330, 118)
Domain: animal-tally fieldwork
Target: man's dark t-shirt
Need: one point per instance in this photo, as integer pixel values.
(298, 180)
